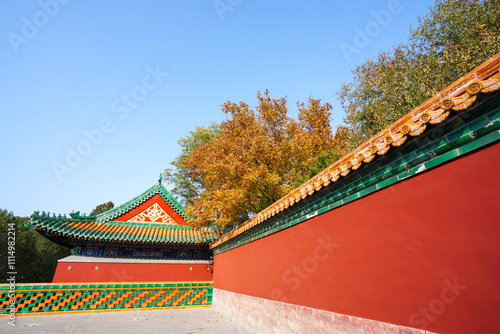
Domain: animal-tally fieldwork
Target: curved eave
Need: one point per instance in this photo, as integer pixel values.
(56, 238)
(124, 234)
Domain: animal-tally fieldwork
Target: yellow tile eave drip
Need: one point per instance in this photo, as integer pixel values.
(458, 96)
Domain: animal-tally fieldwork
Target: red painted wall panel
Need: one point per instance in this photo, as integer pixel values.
(130, 272)
(423, 253)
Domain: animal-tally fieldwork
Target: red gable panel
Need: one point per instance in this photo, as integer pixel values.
(144, 206)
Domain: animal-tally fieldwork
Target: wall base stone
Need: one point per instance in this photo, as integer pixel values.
(268, 316)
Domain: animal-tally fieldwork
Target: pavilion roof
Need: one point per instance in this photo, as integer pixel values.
(120, 232)
(110, 227)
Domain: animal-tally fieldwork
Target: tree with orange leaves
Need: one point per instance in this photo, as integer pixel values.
(257, 157)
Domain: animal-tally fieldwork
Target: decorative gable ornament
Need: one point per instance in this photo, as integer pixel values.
(153, 214)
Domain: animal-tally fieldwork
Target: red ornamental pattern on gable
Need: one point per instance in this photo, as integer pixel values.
(153, 214)
(156, 199)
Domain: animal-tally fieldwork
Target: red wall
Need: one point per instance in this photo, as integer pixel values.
(130, 272)
(423, 253)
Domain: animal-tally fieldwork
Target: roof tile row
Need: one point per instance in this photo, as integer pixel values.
(123, 231)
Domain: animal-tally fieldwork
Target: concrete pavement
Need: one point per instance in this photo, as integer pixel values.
(206, 320)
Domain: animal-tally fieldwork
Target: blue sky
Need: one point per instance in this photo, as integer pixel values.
(95, 94)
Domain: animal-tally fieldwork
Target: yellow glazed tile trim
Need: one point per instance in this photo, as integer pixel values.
(457, 97)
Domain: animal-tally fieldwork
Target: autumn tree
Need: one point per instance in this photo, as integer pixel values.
(35, 256)
(454, 38)
(251, 160)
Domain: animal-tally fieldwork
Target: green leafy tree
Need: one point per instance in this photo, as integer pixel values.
(36, 257)
(102, 208)
(457, 36)
(188, 185)
(322, 161)
(452, 39)
(24, 250)
(48, 254)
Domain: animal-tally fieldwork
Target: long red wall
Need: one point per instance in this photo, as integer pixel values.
(423, 253)
(131, 272)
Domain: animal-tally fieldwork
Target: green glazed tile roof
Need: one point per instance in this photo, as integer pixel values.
(121, 232)
(102, 228)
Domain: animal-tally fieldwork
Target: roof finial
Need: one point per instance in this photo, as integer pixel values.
(159, 179)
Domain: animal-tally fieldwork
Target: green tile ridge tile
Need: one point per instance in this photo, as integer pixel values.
(368, 190)
(399, 169)
(457, 134)
(490, 127)
(377, 179)
(454, 124)
(419, 160)
(467, 138)
(387, 182)
(478, 143)
(428, 150)
(380, 172)
(494, 115)
(351, 198)
(436, 161)
(450, 155)
(478, 123)
(401, 161)
(359, 186)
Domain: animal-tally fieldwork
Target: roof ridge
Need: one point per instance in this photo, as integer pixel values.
(109, 215)
(139, 199)
(73, 217)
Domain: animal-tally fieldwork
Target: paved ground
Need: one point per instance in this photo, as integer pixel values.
(204, 320)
